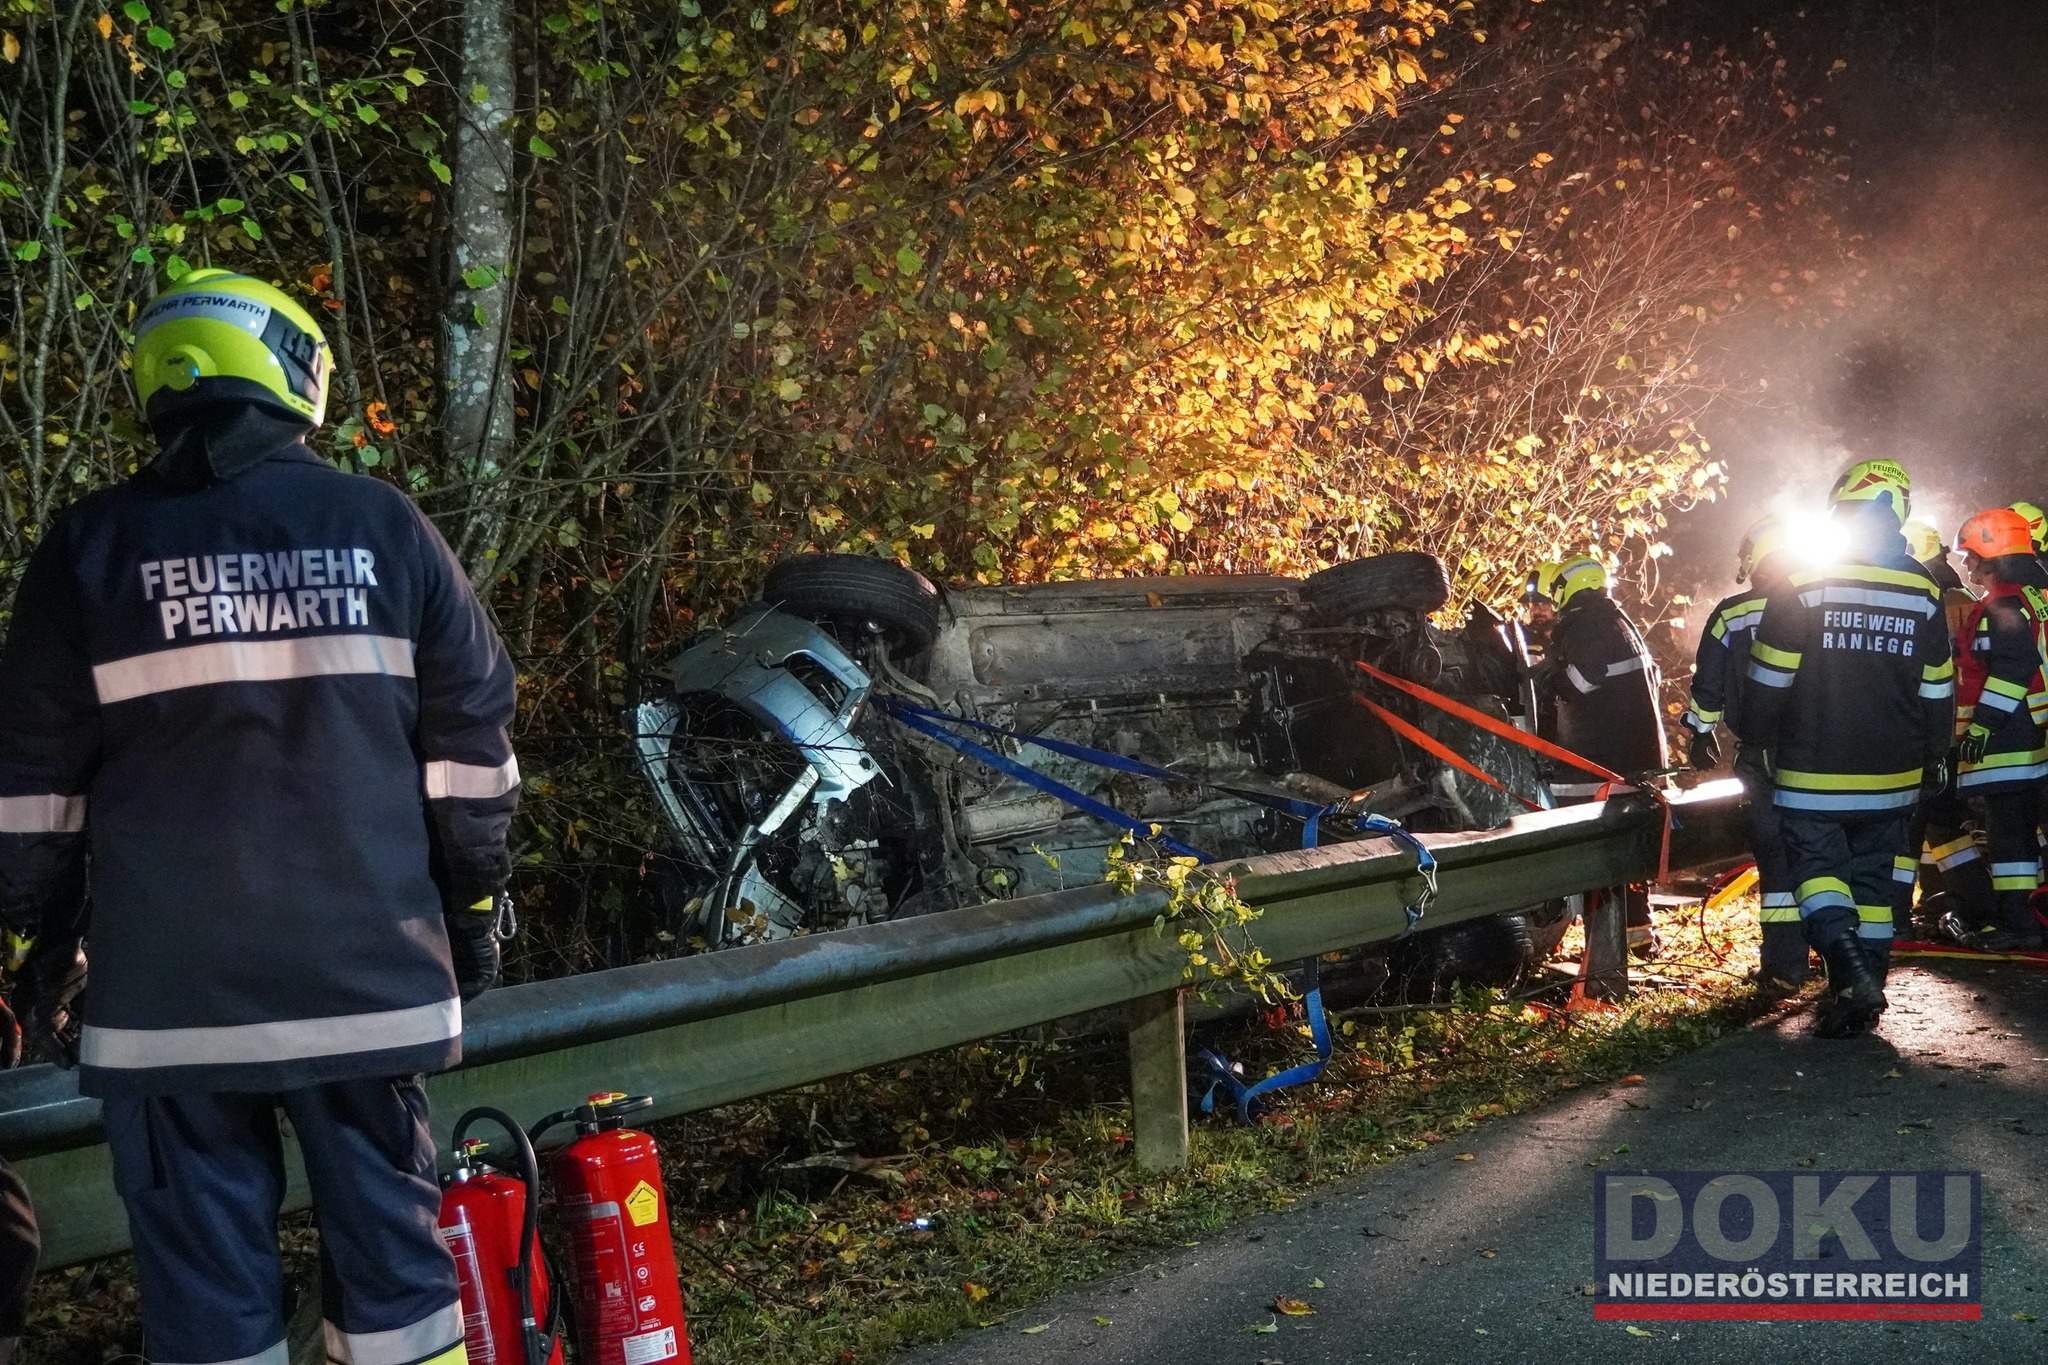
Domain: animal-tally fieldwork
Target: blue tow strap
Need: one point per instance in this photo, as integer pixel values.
(932, 724)
(1245, 1095)
(926, 723)
(1318, 1032)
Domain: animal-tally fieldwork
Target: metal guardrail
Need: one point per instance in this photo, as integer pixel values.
(702, 1031)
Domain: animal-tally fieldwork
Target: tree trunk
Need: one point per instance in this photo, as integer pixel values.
(477, 406)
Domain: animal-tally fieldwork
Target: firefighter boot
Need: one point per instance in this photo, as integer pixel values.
(1855, 994)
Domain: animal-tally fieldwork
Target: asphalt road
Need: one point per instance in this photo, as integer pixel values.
(1444, 1260)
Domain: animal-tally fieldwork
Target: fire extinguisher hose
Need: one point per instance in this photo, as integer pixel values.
(540, 1326)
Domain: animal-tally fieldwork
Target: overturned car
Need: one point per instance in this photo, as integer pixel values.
(858, 746)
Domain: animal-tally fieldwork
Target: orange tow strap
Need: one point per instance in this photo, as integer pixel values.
(1496, 726)
(1415, 735)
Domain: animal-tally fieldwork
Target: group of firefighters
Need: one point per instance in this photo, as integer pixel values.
(1886, 719)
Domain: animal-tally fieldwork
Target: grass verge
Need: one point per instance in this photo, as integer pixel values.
(1009, 1174)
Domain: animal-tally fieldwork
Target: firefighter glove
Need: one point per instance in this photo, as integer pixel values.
(1705, 752)
(473, 943)
(46, 991)
(1970, 749)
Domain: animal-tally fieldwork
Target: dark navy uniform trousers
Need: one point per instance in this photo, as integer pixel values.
(203, 1176)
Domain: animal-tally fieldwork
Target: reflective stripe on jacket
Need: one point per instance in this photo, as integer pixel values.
(1999, 685)
(1722, 656)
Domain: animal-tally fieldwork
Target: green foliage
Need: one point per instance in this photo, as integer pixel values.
(1204, 914)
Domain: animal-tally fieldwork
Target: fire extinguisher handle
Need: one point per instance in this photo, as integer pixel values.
(538, 1341)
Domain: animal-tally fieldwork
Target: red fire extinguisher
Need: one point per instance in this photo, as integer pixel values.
(488, 1221)
(608, 1193)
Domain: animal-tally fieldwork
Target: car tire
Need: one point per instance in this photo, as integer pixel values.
(857, 591)
(1548, 923)
(1492, 950)
(1411, 580)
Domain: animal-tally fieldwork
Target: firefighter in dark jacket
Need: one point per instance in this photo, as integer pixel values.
(1846, 712)
(1763, 562)
(2000, 702)
(1598, 671)
(258, 699)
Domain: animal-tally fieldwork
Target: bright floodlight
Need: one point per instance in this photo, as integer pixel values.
(1815, 538)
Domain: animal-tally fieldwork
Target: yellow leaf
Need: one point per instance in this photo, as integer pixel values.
(105, 24)
(976, 1292)
(10, 46)
(1293, 1308)
(1636, 1332)
(1102, 1322)
(1034, 1331)
(761, 493)
(1466, 1156)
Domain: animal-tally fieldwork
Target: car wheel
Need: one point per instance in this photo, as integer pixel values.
(854, 590)
(1492, 950)
(1412, 580)
(1548, 924)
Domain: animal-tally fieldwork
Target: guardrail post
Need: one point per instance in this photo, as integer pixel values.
(1605, 972)
(1159, 1081)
